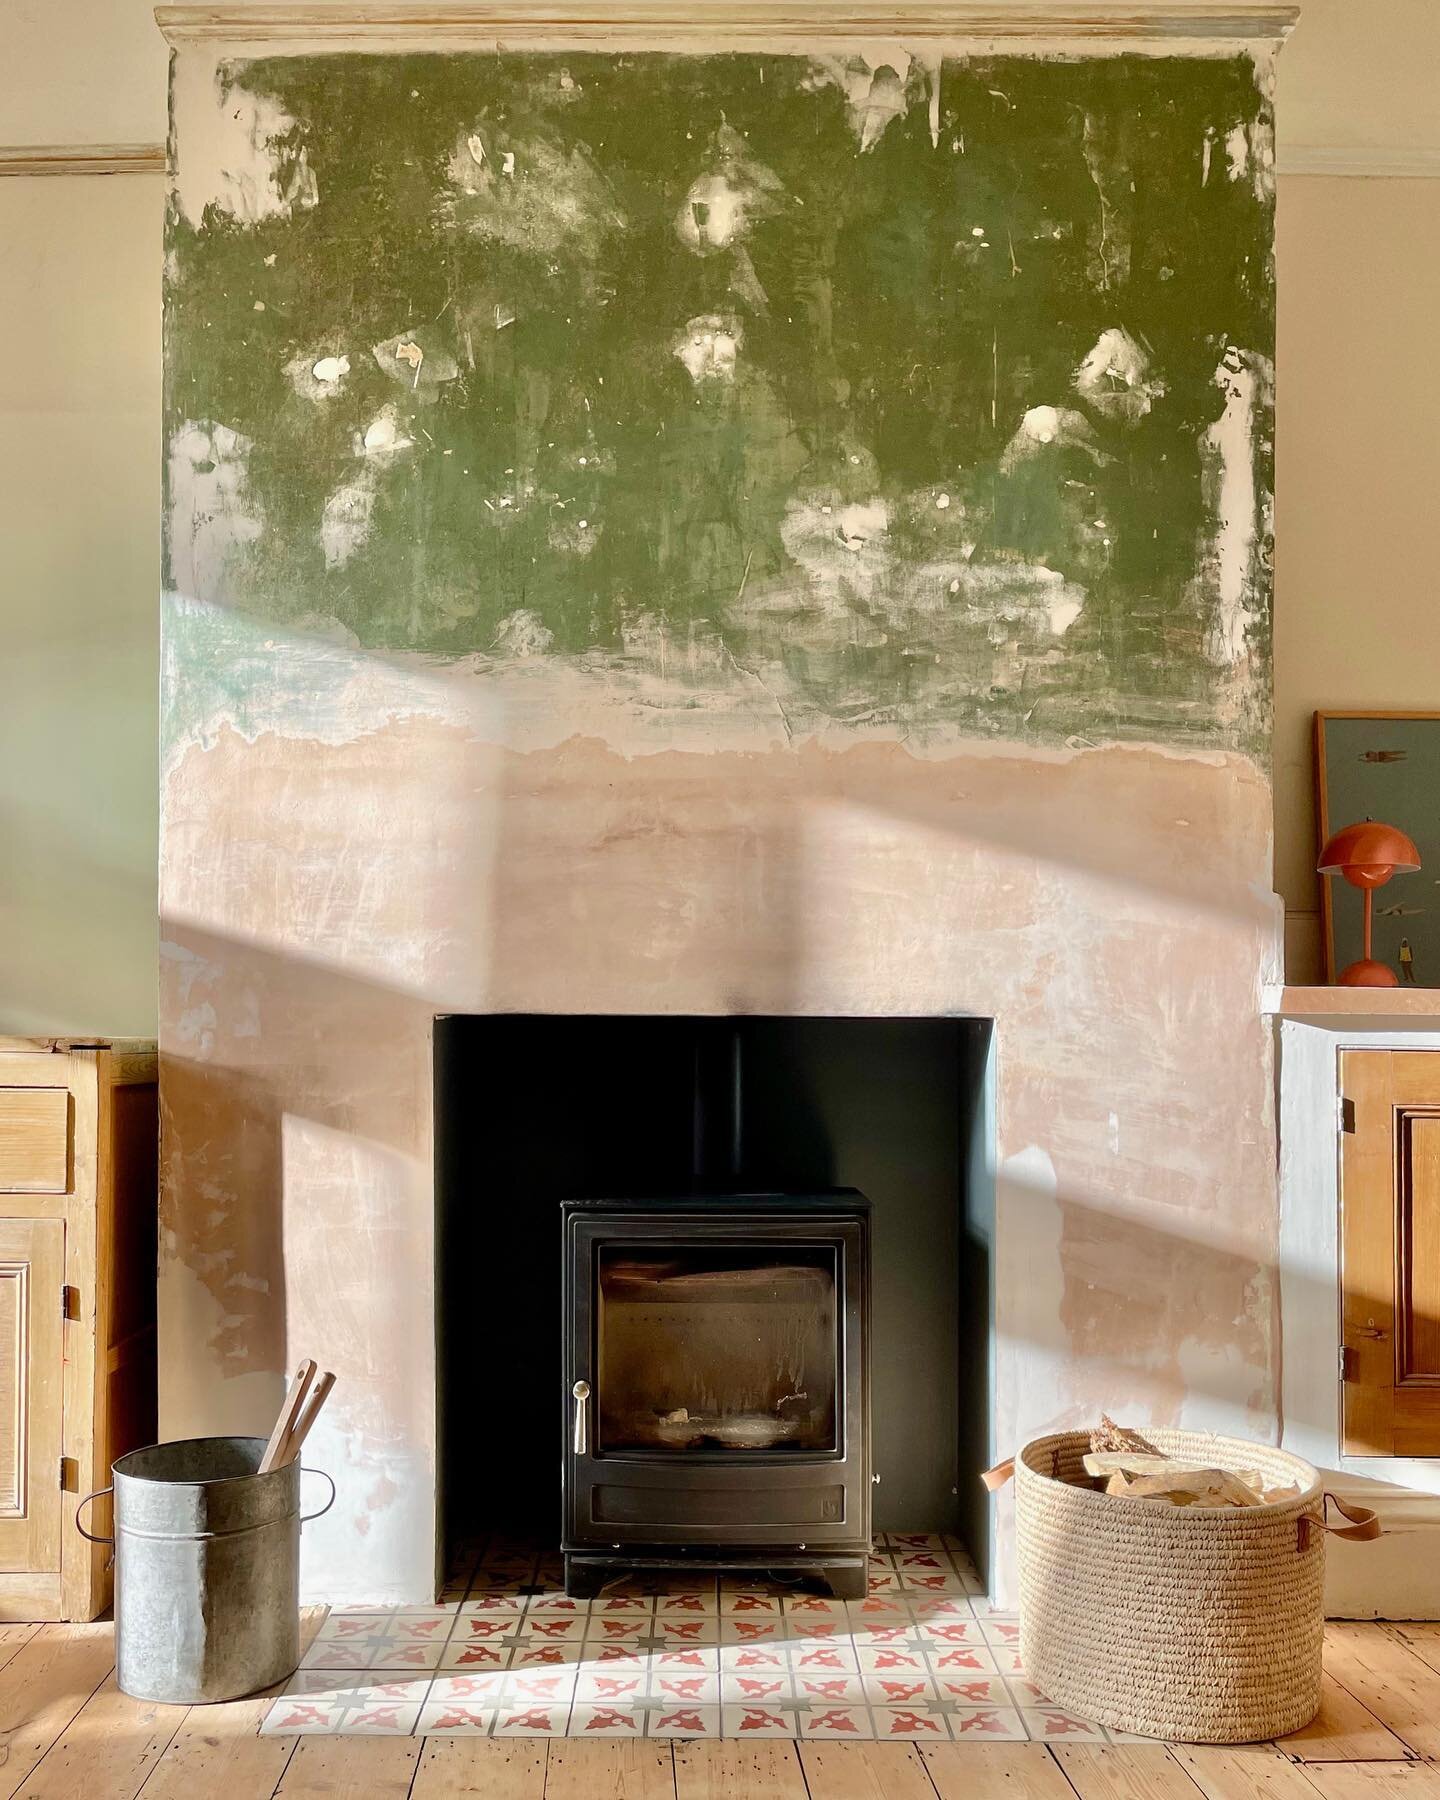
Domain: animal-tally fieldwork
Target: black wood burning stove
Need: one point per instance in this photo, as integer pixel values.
(716, 1386)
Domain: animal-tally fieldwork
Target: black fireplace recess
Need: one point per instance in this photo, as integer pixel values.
(716, 1404)
(710, 1173)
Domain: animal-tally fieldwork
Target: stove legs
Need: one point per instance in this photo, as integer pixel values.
(584, 1580)
(847, 1580)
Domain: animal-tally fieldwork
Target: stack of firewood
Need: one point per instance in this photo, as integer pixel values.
(1124, 1462)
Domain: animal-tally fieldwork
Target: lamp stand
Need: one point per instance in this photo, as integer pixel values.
(1367, 972)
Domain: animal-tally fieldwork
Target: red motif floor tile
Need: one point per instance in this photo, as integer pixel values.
(683, 1722)
(607, 1721)
(915, 1724)
(925, 1657)
(745, 1721)
(987, 1724)
(852, 1722)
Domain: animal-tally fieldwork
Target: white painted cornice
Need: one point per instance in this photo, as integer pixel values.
(82, 159)
(723, 24)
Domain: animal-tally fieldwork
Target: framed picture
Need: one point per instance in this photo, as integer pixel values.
(1383, 765)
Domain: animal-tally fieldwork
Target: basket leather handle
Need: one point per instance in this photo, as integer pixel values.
(1364, 1526)
(997, 1477)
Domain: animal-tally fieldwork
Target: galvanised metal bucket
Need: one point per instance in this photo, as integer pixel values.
(207, 1569)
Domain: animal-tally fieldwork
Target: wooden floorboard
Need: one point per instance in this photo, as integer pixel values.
(349, 1768)
(42, 1688)
(107, 1751)
(1401, 1689)
(1128, 1772)
(1376, 1781)
(864, 1772)
(216, 1750)
(1344, 1730)
(610, 1769)
(66, 1731)
(13, 1638)
(995, 1772)
(1243, 1772)
(765, 1769)
(495, 1768)
(1422, 1638)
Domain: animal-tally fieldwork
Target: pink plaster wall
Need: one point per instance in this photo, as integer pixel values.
(324, 899)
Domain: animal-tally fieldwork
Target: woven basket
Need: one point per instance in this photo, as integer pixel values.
(1183, 1622)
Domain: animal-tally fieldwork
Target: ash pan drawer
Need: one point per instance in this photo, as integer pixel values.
(624, 1503)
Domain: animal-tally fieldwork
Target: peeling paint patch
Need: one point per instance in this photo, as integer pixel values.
(1230, 472)
(726, 201)
(345, 524)
(1116, 378)
(532, 193)
(242, 157)
(709, 347)
(879, 88)
(212, 510)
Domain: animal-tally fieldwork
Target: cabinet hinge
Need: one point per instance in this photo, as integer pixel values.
(1347, 1357)
(69, 1302)
(69, 1475)
(1347, 1114)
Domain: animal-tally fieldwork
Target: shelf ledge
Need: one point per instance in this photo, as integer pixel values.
(1377, 1004)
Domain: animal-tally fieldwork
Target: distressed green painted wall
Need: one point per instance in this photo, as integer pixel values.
(918, 397)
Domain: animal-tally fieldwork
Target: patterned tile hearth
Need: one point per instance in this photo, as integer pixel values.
(923, 1658)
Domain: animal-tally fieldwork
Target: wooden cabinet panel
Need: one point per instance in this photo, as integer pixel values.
(34, 1140)
(1417, 1287)
(77, 1307)
(1390, 1253)
(32, 1268)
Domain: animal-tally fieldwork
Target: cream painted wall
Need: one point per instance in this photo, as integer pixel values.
(80, 504)
(1357, 618)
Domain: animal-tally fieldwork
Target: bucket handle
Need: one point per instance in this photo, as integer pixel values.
(99, 1494)
(305, 1518)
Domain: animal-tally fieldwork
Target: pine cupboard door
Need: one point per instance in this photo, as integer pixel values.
(32, 1269)
(1390, 1252)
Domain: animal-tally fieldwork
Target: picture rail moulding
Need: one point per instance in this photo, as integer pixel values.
(728, 24)
(82, 159)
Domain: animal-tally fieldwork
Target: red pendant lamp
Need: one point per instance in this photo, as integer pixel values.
(1367, 855)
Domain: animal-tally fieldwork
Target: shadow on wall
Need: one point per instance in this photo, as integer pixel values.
(253, 1137)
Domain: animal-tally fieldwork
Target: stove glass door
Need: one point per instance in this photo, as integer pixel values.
(716, 1349)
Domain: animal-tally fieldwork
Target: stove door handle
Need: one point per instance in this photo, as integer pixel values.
(581, 1393)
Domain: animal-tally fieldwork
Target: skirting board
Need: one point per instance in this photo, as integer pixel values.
(1398, 1575)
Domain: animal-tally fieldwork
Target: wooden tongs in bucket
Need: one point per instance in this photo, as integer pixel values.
(297, 1415)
